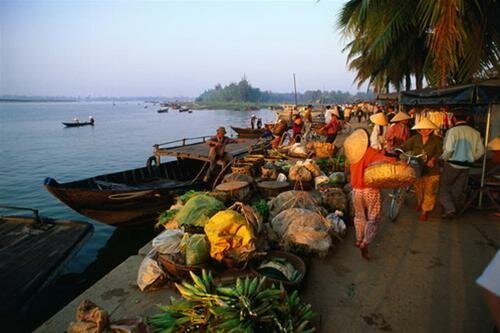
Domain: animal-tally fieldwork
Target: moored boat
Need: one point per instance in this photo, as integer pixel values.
(34, 249)
(140, 195)
(246, 132)
(162, 109)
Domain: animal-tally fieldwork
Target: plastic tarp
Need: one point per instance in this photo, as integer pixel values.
(484, 92)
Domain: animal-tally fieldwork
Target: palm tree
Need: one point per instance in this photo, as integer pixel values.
(445, 41)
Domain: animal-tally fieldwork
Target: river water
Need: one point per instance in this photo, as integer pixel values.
(34, 144)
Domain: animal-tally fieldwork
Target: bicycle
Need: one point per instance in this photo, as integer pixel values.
(398, 195)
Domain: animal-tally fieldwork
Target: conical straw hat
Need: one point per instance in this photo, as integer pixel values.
(400, 116)
(355, 145)
(379, 119)
(425, 123)
(494, 144)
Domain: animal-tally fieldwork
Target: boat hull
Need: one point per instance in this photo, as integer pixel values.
(78, 124)
(248, 132)
(128, 197)
(32, 254)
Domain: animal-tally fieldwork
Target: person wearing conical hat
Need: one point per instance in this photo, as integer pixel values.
(431, 146)
(367, 201)
(377, 137)
(462, 146)
(398, 132)
(217, 151)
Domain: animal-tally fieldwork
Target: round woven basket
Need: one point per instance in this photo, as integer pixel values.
(177, 270)
(296, 261)
(389, 175)
(272, 188)
(242, 168)
(237, 190)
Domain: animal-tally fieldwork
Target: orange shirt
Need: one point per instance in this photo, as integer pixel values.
(358, 169)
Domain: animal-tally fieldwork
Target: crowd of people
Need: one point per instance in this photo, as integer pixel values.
(446, 142)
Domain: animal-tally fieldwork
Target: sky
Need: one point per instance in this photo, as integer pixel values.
(169, 48)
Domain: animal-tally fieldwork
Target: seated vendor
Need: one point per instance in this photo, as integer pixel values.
(217, 151)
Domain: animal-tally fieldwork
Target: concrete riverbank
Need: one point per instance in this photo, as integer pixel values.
(421, 279)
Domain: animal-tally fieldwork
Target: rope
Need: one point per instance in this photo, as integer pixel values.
(199, 173)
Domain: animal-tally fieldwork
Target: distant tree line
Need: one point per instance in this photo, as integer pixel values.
(243, 92)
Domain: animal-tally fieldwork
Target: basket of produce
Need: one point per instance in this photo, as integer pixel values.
(175, 265)
(389, 175)
(271, 188)
(324, 149)
(235, 190)
(254, 158)
(242, 167)
(280, 267)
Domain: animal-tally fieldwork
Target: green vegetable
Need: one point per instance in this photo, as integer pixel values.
(167, 216)
(188, 195)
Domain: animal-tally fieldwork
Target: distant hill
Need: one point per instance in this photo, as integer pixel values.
(243, 92)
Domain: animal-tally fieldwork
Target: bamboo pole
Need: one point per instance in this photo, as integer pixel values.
(486, 141)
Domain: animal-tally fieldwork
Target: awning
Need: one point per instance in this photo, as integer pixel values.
(484, 92)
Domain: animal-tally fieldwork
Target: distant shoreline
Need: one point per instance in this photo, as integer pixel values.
(4, 100)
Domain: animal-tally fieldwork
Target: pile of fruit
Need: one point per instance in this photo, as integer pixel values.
(245, 306)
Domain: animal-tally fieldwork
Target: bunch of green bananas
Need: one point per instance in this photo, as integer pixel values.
(246, 306)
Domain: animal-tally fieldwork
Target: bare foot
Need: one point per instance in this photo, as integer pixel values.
(364, 251)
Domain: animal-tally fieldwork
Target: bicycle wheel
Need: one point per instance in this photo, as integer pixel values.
(397, 200)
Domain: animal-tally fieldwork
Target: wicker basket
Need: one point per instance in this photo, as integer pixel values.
(272, 188)
(177, 270)
(242, 168)
(324, 149)
(389, 175)
(293, 259)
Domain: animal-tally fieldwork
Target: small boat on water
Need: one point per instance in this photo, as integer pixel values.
(139, 195)
(185, 109)
(78, 124)
(33, 250)
(162, 109)
(247, 132)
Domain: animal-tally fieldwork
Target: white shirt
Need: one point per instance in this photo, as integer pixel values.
(462, 143)
(490, 279)
(377, 138)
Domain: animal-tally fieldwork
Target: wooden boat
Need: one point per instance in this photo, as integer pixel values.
(33, 251)
(246, 132)
(184, 109)
(162, 109)
(140, 195)
(75, 124)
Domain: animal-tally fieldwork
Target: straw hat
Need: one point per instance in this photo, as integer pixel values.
(425, 123)
(379, 119)
(494, 144)
(355, 145)
(335, 111)
(400, 116)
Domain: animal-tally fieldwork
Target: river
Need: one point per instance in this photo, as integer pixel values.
(34, 144)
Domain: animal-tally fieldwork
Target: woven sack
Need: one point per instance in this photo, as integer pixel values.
(324, 149)
(389, 175)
